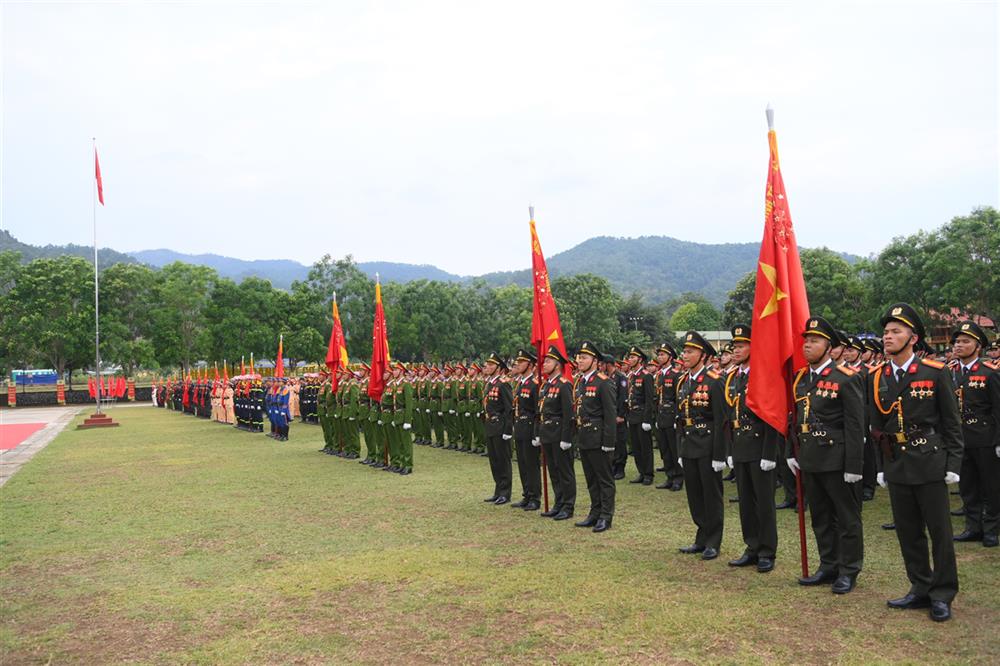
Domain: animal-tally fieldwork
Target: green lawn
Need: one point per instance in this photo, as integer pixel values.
(175, 540)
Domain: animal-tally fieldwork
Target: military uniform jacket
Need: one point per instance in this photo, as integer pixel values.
(701, 415)
(525, 407)
(666, 397)
(499, 408)
(641, 397)
(829, 422)
(555, 423)
(595, 412)
(929, 443)
(978, 391)
(402, 403)
(752, 439)
(620, 385)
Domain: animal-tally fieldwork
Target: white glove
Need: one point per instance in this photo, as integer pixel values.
(680, 461)
(998, 451)
(880, 479)
(380, 422)
(565, 446)
(767, 465)
(536, 442)
(467, 414)
(507, 437)
(646, 427)
(440, 413)
(350, 418)
(406, 426)
(793, 465)
(950, 478)
(851, 478)
(718, 465)
(608, 449)
(451, 411)
(428, 411)
(729, 461)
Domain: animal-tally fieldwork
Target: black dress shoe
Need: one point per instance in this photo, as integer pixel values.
(677, 485)
(638, 479)
(563, 515)
(940, 611)
(888, 526)
(969, 535)
(990, 541)
(603, 524)
(501, 500)
(765, 564)
(843, 584)
(867, 495)
(744, 560)
(647, 481)
(666, 485)
(618, 476)
(491, 499)
(909, 601)
(785, 505)
(661, 469)
(734, 500)
(709, 554)
(405, 471)
(551, 513)
(958, 512)
(818, 578)
(518, 505)
(692, 549)
(532, 506)
(730, 477)
(589, 521)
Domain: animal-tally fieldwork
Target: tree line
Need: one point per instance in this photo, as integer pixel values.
(170, 318)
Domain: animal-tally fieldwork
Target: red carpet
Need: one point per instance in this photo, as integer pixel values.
(12, 434)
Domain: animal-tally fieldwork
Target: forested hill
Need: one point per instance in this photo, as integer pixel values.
(106, 256)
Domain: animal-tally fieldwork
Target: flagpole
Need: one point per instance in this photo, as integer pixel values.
(541, 359)
(97, 311)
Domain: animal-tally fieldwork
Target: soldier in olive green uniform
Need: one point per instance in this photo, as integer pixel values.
(829, 402)
(474, 404)
(350, 396)
(386, 431)
(439, 411)
(701, 445)
(403, 412)
(326, 417)
(450, 401)
(915, 420)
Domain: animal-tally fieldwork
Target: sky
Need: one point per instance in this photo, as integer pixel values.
(421, 131)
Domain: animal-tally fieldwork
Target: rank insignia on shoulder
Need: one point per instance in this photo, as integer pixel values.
(991, 365)
(847, 370)
(713, 374)
(602, 375)
(932, 363)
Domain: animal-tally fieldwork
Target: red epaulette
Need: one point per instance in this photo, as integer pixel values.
(991, 365)
(931, 363)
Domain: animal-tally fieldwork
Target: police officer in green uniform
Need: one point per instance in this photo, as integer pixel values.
(754, 458)
(403, 412)
(915, 420)
(701, 413)
(498, 413)
(977, 385)
(595, 421)
(326, 418)
(829, 400)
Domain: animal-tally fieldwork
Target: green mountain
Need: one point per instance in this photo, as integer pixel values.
(105, 256)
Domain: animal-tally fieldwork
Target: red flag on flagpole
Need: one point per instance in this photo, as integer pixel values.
(97, 175)
(279, 365)
(780, 305)
(92, 387)
(545, 327)
(336, 351)
(380, 348)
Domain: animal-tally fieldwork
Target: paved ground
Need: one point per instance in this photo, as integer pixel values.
(49, 421)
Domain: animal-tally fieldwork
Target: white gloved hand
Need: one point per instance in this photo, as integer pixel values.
(851, 478)
(565, 446)
(718, 465)
(998, 451)
(427, 411)
(680, 461)
(608, 449)
(793, 465)
(646, 427)
(451, 411)
(508, 437)
(380, 422)
(406, 426)
(467, 415)
(767, 465)
(880, 479)
(729, 461)
(951, 478)
(440, 413)
(536, 442)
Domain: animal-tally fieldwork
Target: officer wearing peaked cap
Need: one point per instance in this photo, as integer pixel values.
(595, 421)
(620, 384)
(830, 427)
(641, 398)
(915, 419)
(555, 433)
(665, 388)
(498, 414)
(525, 414)
(701, 413)
(977, 385)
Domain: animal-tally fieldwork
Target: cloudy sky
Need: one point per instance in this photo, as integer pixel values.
(421, 131)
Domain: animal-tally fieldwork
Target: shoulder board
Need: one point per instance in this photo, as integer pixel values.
(847, 370)
(713, 374)
(601, 375)
(931, 363)
(876, 367)
(991, 365)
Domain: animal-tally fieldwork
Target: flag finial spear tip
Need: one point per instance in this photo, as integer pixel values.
(531, 211)
(770, 116)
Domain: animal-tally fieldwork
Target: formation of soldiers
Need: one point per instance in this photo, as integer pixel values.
(869, 412)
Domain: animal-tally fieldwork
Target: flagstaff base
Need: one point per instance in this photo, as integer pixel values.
(98, 421)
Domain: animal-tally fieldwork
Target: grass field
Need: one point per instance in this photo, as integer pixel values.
(171, 540)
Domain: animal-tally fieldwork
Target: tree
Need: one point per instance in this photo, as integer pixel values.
(968, 263)
(834, 289)
(739, 305)
(183, 295)
(637, 316)
(127, 292)
(587, 309)
(697, 316)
